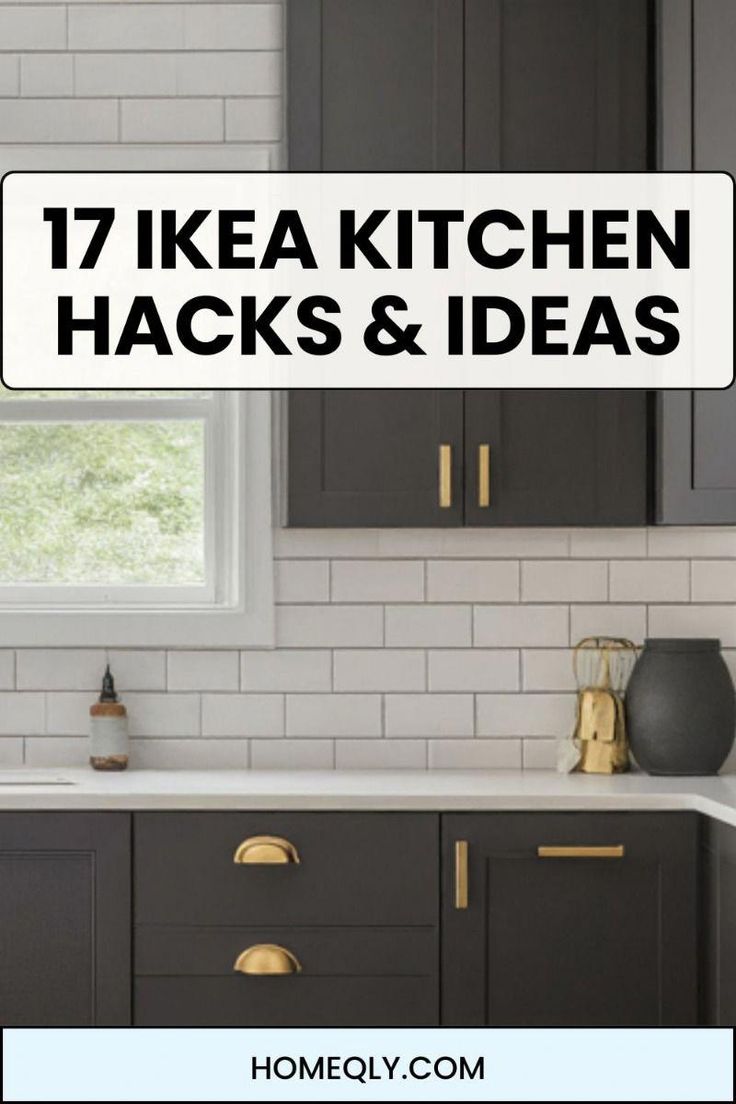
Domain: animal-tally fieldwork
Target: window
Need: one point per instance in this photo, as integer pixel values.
(135, 517)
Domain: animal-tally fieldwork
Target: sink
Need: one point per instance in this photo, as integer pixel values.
(32, 778)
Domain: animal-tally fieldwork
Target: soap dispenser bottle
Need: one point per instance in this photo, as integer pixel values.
(108, 729)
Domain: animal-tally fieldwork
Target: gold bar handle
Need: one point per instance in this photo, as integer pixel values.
(445, 477)
(461, 874)
(484, 476)
(615, 851)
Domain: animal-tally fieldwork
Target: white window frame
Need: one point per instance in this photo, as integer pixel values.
(234, 608)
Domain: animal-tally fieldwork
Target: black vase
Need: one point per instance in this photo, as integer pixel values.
(680, 707)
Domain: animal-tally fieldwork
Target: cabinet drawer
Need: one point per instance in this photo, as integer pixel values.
(353, 868)
(293, 1001)
(326, 952)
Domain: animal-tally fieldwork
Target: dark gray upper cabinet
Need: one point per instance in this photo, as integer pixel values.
(375, 85)
(697, 429)
(476, 85)
(566, 939)
(375, 458)
(64, 919)
(556, 458)
(557, 85)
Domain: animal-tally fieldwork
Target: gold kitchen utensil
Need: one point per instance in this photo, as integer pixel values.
(602, 666)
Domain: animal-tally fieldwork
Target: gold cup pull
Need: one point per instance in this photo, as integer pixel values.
(445, 477)
(612, 851)
(461, 874)
(267, 959)
(265, 851)
(484, 476)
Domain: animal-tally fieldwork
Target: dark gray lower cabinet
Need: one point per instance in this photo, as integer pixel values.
(556, 938)
(64, 919)
(354, 918)
(719, 925)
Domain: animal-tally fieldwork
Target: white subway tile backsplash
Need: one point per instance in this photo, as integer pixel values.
(651, 581)
(163, 714)
(378, 754)
(131, 74)
(504, 544)
(693, 542)
(608, 543)
(209, 754)
(11, 751)
(292, 754)
(232, 26)
(60, 668)
(50, 120)
(429, 715)
(717, 621)
(138, 670)
(475, 754)
(428, 626)
(203, 671)
(525, 714)
(286, 670)
(236, 73)
(333, 715)
(253, 120)
(56, 751)
(564, 581)
(383, 669)
(547, 669)
(7, 669)
(124, 26)
(473, 669)
(330, 543)
(539, 754)
(9, 75)
(517, 626)
(610, 620)
(171, 120)
(378, 581)
(37, 27)
(329, 627)
(67, 714)
(242, 715)
(472, 581)
(47, 75)
(714, 580)
(302, 581)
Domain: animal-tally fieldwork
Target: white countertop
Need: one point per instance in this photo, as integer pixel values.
(435, 790)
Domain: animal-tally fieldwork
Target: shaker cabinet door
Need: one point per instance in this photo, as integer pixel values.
(375, 458)
(556, 457)
(697, 429)
(64, 920)
(596, 929)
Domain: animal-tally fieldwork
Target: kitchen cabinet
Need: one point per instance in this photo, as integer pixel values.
(299, 918)
(376, 458)
(64, 919)
(477, 85)
(596, 929)
(718, 926)
(423, 85)
(697, 429)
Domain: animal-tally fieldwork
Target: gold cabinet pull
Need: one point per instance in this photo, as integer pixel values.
(461, 874)
(265, 851)
(267, 959)
(445, 477)
(484, 475)
(614, 851)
